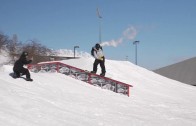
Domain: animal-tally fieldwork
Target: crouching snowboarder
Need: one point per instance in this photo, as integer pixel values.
(97, 53)
(18, 68)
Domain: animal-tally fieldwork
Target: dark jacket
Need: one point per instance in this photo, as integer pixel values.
(21, 62)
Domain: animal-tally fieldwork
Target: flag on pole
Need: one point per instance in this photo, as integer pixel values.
(98, 13)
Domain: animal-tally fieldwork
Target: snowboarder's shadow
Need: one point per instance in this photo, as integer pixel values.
(14, 76)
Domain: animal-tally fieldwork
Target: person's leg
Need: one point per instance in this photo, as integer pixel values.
(25, 71)
(16, 74)
(102, 65)
(95, 64)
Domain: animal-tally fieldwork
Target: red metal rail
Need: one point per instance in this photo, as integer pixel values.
(93, 79)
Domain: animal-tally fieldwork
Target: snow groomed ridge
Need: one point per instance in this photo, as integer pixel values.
(93, 79)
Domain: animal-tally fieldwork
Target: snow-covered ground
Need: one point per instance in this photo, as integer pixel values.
(54, 99)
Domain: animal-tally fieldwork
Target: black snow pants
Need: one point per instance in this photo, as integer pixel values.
(22, 71)
(102, 65)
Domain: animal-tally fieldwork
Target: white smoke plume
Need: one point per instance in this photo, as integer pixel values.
(129, 34)
(113, 43)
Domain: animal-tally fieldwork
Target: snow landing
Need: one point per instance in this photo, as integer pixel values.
(54, 99)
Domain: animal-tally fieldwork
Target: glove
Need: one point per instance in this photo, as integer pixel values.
(100, 58)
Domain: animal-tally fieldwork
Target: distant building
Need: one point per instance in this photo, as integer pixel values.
(184, 71)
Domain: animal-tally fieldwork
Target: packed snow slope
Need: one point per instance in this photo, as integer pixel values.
(54, 99)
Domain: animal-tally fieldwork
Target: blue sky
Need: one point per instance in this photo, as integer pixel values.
(166, 29)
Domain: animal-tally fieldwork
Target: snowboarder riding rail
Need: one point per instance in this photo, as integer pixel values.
(97, 53)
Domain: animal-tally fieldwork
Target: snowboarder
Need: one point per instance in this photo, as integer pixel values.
(97, 53)
(18, 68)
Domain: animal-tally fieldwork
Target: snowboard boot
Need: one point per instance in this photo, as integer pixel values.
(93, 72)
(102, 74)
(29, 79)
(14, 75)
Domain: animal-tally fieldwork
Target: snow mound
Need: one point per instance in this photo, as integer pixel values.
(54, 99)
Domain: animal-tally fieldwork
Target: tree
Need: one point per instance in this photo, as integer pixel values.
(37, 51)
(3, 40)
(13, 46)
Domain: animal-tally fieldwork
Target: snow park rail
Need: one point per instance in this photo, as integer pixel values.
(93, 79)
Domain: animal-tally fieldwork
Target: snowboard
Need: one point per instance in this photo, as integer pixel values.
(13, 75)
(86, 71)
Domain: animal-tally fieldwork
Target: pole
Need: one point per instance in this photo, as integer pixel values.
(100, 17)
(135, 43)
(99, 30)
(75, 50)
(136, 54)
